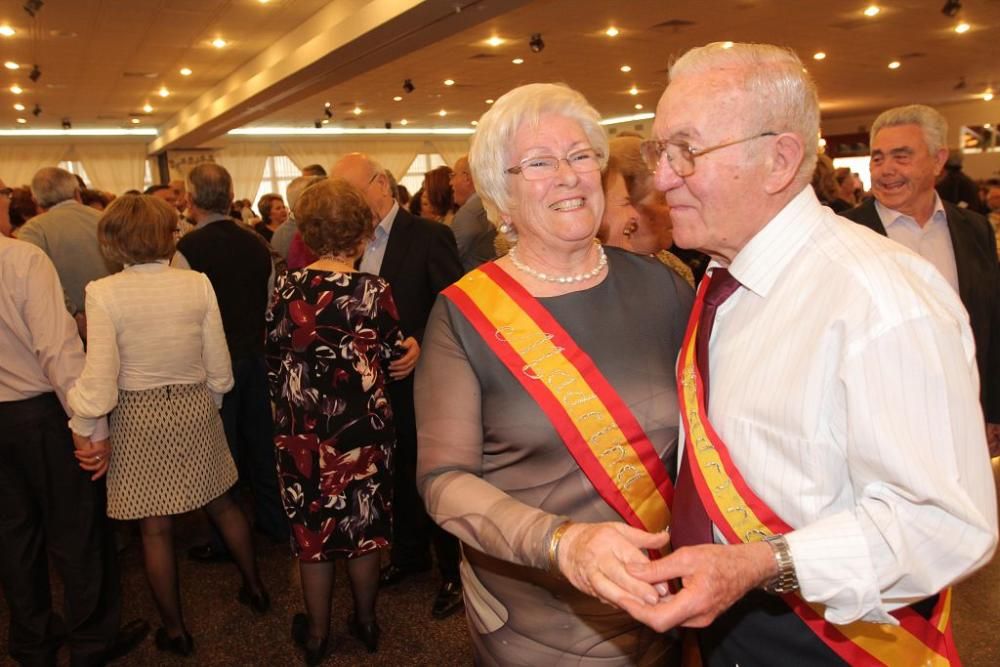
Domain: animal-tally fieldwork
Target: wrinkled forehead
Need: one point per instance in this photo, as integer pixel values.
(700, 103)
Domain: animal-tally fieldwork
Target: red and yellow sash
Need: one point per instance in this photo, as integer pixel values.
(593, 421)
(746, 518)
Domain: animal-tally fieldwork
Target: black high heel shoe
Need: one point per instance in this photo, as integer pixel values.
(300, 635)
(368, 633)
(182, 646)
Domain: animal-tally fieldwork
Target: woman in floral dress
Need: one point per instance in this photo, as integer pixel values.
(332, 333)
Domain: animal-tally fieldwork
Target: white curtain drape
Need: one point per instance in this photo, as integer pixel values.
(451, 149)
(19, 162)
(113, 168)
(245, 163)
(304, 153)
(395, 155)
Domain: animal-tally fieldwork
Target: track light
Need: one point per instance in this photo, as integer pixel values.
(961, 83)
(32, 7)
(536, 43)
(408, 86)
(37, 111)
(318, 124)
(35, 74)
(66, 125)
(327, 112)
(388, 125)
(951, 8)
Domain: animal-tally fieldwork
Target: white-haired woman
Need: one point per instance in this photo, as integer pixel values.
(546, 405)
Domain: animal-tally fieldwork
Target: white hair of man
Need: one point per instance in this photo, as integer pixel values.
(929, 120)
(298, 186)
(489, 155)
(52, 185)
(783, 96)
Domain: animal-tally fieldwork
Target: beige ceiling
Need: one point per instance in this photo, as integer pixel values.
(88, 76)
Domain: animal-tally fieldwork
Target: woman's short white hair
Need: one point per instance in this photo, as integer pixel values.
(930, 121)
(783, 95)
(490, 153)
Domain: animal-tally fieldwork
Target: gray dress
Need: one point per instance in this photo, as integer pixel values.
(494, 472)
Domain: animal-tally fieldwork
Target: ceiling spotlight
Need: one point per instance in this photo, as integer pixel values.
(148, 108)
(404, 122)
(951, 8)
(872, 10)
(357, 111)
(185, 71)
(22, 121)
(397, 98)
(6, 30)
(633, 91)
(987, 96)
(449, 82)
(536, 43)
(16, 89)
(489, 101)
(495, 41)
(638, 107)
(37, 111)
(327, 112)
(163, 92)
(10, 64)
(135, 121)
(442, 113)
(408, 86)
(819, 55)
(325, 121)
(219, 43)
(66, 125)
(625, 68)
(611, 32)
(327, 105)
(518, 61)
(32, 7)
(35, 74)
(894, 64)
(962, 28)
(18, 107)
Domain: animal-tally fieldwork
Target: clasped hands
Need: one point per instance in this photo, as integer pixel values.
(607, 561)
(404, 365)
(93, 455)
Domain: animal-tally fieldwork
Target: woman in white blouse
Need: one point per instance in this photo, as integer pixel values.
(157, 361)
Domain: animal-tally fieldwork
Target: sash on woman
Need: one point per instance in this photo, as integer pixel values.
(746, 518)
(593, 421)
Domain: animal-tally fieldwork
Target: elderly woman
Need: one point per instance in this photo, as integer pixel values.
(331, 334)
(636, 214)
(157, 361)
(273, 214)
(546, 401)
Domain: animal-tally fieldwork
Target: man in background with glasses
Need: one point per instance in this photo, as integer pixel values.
(834, 467)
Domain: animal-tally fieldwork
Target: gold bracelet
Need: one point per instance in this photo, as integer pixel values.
(557, 536)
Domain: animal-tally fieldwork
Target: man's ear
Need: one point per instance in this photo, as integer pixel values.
(787, 153)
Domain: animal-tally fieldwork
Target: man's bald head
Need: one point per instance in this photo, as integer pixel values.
(369, 177)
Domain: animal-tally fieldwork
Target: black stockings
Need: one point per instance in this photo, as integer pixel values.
(235, 529)
(317, 591)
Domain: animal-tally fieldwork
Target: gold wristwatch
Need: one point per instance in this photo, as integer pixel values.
(785, 581)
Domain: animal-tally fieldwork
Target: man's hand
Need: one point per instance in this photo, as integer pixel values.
(403, 366)
(993, 439)
(93, 456)
(593, 557)
(714, 576)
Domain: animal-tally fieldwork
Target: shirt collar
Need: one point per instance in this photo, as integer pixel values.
(385, 224)
(212, 217)
(762, 260)
(890, 216)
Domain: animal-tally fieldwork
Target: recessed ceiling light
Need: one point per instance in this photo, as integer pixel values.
(625, 68)
(819, 55)
(22, 121)
(18, 107)
(475, 123)
(894, 64)
(263, 2)
(442, 113)
(6, 30)
(325, 121)
(148, 108)
(219, 43)
(489, 101)
(16, 89)
(449, 82)
(357, 111)
(962, 27)
(495, 41)
(185, 71)
(135, 121)
(404, 122)
(987, 96)
(638, 107)
(327, 105)
(163, 92)
(517, 61)
(872, 10)
(611, 32)
(987, 125)
(397, 98)
(633, 91)
(10, 64)
(727, 45)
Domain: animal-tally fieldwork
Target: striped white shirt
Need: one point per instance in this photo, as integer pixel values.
(844, 383)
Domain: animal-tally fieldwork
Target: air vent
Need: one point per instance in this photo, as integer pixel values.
(676, 24)
(140, 75)
(483, 56)
(913, 54)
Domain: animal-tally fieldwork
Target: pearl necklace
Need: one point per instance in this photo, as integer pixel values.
(577, 278)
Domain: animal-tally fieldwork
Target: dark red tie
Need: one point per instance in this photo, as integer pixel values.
(691, 524)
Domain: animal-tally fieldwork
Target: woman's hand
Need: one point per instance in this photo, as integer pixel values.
(403, 366)
(93, 456)
(592, 556)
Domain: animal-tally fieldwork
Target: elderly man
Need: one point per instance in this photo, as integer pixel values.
(474, 233)
(834, 472)
(419, 259)
(67, 233)
(908, 154)
(238, 263)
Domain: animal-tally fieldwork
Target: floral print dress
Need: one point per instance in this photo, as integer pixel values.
(330, 336)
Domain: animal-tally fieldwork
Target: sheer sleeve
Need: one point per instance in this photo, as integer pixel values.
(450, 456)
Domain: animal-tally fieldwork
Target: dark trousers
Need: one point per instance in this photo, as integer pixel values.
(246, 417)
(49, 508)
(413, 531)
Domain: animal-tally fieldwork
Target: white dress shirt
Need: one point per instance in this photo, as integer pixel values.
(371, 261)
(844, 382)
(150, 325)
(932, 241)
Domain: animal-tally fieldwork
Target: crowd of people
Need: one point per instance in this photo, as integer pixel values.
(506, 376)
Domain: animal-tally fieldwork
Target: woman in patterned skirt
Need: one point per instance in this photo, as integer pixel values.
(331, 333)
(157, 361)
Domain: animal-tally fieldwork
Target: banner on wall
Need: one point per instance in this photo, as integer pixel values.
(181, 162)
